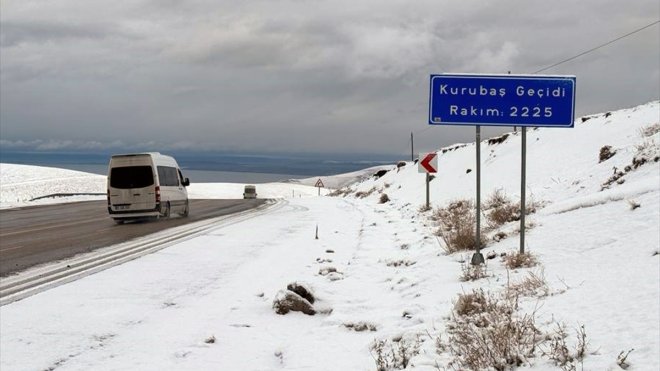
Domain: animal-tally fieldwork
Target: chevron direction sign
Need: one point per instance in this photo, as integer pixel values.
(428, 163)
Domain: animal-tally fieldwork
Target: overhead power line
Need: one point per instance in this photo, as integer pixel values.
(598, 47)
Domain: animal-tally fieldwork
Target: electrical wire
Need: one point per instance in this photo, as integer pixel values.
(597, 47)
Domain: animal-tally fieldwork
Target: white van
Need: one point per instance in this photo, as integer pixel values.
(146, 185)
(249, 191)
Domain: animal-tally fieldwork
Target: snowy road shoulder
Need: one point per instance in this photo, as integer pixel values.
(162, 307)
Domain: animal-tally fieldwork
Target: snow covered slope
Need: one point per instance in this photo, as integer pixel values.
(563, 165)
(19, 184)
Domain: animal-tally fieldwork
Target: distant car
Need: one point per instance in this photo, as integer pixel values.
(146, 185)
(250, 191)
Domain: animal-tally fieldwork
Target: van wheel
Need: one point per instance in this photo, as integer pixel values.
(186, 211)
(166, 212)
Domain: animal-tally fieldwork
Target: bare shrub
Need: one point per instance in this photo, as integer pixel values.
(646, 151)
(533, 285)
(499, 236)
(497, 199)
(361, 326)
(621, 359)
(606, 152)
(495, 338)
(617, 177)
(364, 194)
(457, 225)
(384, 198)
(650, 130)
(517, 260)
(400, 263)
(559, 352)
(471, 272)
(382, 355)
(504, 214)
(501, 210)
(582, 344)
(473, 303)
(391, 355)
(340, 192)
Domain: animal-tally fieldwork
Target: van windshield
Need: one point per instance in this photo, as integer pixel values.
(131, 177)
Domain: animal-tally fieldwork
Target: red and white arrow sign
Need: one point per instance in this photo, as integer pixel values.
(428, 163)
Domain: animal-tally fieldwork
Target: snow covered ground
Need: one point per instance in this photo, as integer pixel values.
(378, 271)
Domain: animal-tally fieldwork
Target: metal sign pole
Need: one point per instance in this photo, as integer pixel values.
(428, 198)
(478, 258)
(523, 173)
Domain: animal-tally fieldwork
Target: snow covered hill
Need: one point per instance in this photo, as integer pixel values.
(388, 295)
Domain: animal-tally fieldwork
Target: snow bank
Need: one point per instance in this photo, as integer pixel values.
(19, 184)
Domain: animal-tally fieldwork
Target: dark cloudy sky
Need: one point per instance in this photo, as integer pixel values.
(293, 76)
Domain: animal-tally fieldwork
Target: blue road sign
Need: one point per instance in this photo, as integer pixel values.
(502, 100)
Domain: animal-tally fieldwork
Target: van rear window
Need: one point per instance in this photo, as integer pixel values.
(131, 177)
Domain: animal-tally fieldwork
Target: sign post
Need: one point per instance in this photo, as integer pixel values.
(478, 257)
(428, 163)
(502, 100)
(319, 185)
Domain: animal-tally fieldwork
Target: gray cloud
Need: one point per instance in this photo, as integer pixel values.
(326, 76)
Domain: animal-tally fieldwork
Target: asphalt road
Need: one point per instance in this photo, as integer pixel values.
(40, 234)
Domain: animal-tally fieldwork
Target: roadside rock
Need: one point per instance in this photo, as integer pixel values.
(287, 300)
(302, 290)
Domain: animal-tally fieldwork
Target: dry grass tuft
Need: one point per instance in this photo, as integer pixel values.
(471, 272)
(558, 352)
(473, 303)
(621, 360)
(457, 225)
(517, 260)
(342, 192)
(606, 152)
(400, 263)
(491, 335)
(650, 130)
(384, 198)
(394, 354)
(361, 326)
(501, 210)
(533, 285)
(365, 194)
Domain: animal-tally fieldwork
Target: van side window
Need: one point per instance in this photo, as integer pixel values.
(168, 176)
(131, 177)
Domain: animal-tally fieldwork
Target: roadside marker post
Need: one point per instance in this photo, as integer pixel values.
(428, 163)
(502, 100)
